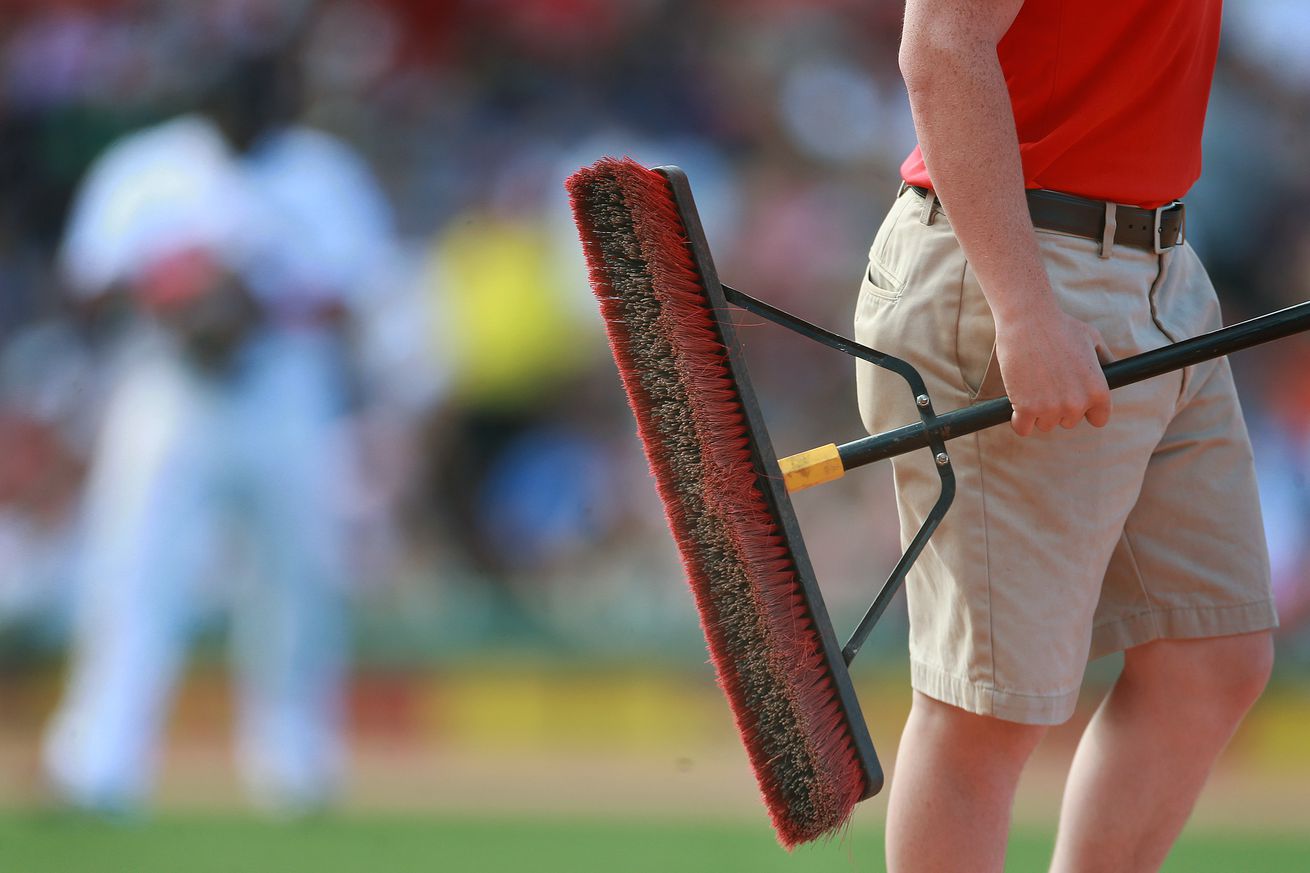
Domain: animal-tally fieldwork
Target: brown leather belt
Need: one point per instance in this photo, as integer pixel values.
(1152, 229)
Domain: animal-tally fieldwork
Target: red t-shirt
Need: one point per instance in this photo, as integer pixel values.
(1109, 96)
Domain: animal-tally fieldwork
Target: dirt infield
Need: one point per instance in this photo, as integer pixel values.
(622, 745)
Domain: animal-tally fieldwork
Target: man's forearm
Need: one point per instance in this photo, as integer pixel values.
(966, 131)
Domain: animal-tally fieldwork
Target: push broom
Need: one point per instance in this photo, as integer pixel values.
(725, 492)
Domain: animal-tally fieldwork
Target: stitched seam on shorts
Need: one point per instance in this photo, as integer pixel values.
(987, 558)
(991, 687)
(1124, 619)
(1141, 583)
(959, 314)
(1165, 266)
(879, 258)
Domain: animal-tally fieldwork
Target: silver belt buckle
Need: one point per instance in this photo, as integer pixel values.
(1182, 226)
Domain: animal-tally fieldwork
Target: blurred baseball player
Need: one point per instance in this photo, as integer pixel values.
(244, 238)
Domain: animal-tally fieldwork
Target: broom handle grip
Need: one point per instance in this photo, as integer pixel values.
(990, 413)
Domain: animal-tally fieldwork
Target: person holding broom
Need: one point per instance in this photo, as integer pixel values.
(1037, 235)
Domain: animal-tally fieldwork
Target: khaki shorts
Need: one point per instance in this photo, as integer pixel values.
(1072, 544)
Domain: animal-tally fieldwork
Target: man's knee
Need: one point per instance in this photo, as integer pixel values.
(960, 732)
(1223, 674)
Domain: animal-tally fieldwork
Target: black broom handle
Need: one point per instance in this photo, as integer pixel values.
(990, 413)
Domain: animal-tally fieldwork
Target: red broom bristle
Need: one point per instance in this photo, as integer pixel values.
(761, 634)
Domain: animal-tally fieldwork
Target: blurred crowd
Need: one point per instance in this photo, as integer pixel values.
(404, 361)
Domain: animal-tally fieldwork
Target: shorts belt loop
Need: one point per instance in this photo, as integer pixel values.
(928, 203)
(1107, 235)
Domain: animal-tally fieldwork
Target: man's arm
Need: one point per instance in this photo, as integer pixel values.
(962, 113)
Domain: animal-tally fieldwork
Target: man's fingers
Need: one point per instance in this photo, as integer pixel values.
(1022, 422)
(1100, 404)
(1096, 412)
(1099, 414)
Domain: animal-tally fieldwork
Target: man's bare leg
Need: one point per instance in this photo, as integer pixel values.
(953, 788)
(1146, 754)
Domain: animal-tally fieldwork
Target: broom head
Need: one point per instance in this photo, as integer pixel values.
(767, 629)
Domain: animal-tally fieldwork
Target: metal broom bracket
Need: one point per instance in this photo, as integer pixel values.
(928, 419)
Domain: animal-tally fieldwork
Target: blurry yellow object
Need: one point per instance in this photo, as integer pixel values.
(512, 330)
(544, 710)
(1274, 734)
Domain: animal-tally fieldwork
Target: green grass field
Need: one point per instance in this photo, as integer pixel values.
(215, 844)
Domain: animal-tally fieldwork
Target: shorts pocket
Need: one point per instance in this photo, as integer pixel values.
(886, 274)
(877, 310)
(880, 283)
(975, 341)
(990, 384)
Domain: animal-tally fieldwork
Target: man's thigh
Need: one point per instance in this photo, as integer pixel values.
(1191, 561)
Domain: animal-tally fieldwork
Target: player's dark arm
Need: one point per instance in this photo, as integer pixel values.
(966, 130)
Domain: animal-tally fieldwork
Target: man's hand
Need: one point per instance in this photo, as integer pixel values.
(1051, 366)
